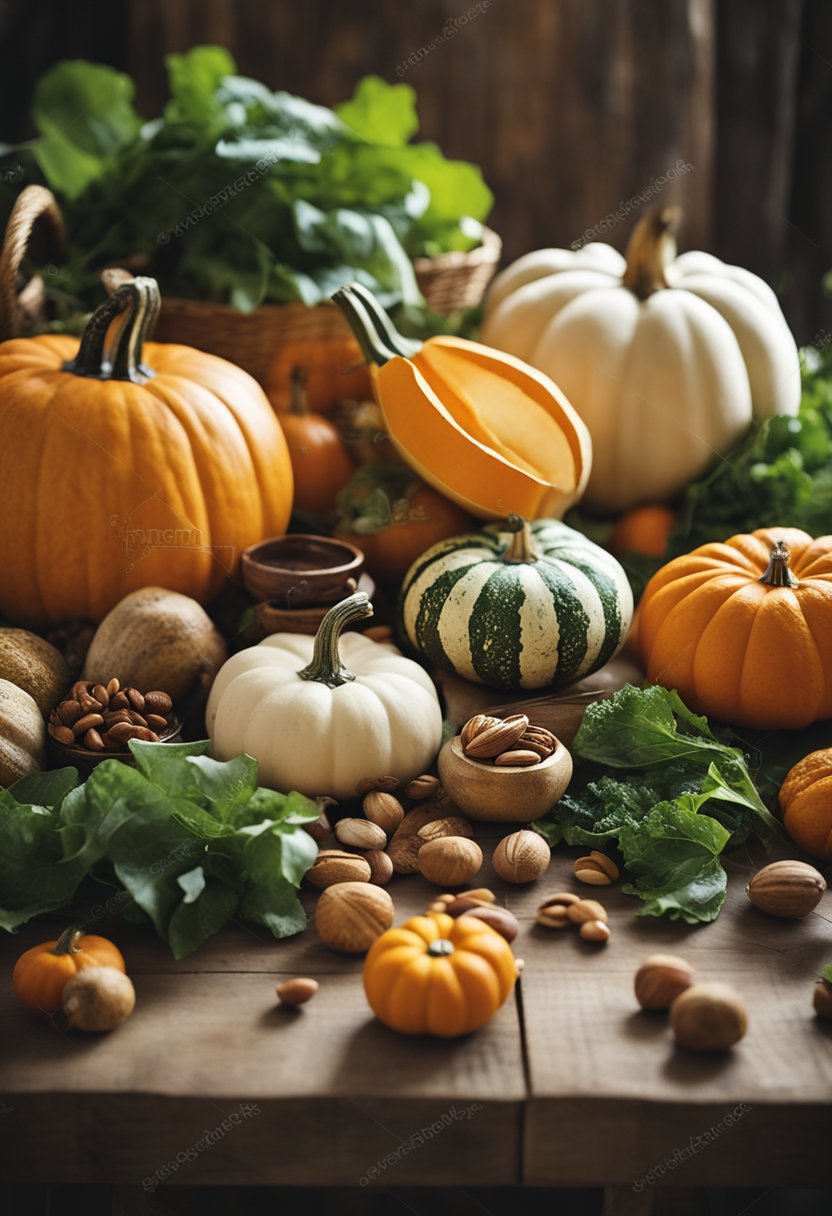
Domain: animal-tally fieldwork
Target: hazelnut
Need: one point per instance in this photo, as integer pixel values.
(660, 979)
(522, 857)
(788, 889)
(350, 916)
(449, 861)
(360, 833)
(383, 810)
(708, 1017)
(296, 991)
(336, 866)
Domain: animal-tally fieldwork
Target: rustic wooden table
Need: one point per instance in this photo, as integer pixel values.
(210, 1082)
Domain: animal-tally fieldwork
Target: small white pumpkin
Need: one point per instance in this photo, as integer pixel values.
(321, 714)
(667, 361)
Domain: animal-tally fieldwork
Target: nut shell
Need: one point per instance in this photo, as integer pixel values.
(522, 857)
(786, 889)
(336, 866)
(505, 922)
(360, 833)
(708, 1017)
(296, 991)
(384, 810)
(381, 867)
(349, 916)
(660, 979)
(450, 861)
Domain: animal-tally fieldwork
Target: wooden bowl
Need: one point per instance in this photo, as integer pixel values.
(503, 795)
(301, 569)
(62, 755)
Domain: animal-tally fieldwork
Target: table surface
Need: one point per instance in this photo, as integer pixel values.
(570, 1084)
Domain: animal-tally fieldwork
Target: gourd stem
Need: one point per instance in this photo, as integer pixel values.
(441, 948)
(298, 404)
(374, 331)
(651, 246)
(139, 299)
(778, 572)
(67, 943)
(521, 546)
(326, 666)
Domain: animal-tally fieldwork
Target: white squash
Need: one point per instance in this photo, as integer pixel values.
(667, 361)
(319, 715)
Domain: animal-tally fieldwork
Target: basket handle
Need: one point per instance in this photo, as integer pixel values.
(34, 203)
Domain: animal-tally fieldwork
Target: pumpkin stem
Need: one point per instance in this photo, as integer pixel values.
(521, 547)
(67, 943)
(651, 246)
(326, 666)
(298, 403)
(441, 948)
(122, 360)
(778, 572)
(376, 334)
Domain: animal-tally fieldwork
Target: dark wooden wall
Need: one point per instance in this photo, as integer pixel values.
(572, 107)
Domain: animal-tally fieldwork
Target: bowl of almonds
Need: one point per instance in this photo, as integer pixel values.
(504, 769)
(97, 721)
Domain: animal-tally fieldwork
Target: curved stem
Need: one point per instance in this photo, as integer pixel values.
(67, 943)
(326, 666)
(651, 246)
(297, 404)
(139, 299)
(778, 572)
(375, 332)
(521, 546)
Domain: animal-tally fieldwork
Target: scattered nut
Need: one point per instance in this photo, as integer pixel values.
(351, 915)
(386, 784)
(336, 866)
(155, 702)
(595, 931)
(427, 813)
(597, 869)
(422, 787)
(384, 810)
(522, 857)
(788, 889)
(454, 826)
(403, 852)
(360, 833)
(553, 913)
(449, 861)
(321, 828)
(822, 1000)
(381, 867)
(708, 1017)
(501, 919)
(62, 734)
(98, 998)
(468, 900)
(660, 979)
(586, 909)
(296, 991)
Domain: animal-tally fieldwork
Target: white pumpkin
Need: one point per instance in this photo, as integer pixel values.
(319, 715)
(667, 361)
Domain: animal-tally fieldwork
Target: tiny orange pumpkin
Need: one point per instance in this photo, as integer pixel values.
(437, 975)
(321, 464)
(41, 973)
(806, 803)
(644, 530)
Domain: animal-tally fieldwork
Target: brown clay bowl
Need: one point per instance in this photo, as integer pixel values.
(274, 617)
(301, 569)
(503, 795)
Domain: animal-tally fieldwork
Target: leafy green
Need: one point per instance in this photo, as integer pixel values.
(647, 766)
(826, 974)
(192, 840)
(240, 194)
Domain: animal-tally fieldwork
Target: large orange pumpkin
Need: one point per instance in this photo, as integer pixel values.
(743, 630)
(124, 465)
(806, 803)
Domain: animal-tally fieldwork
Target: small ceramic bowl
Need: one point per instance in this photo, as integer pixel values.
(301, 569)
(273, 617)
(503, 795)
(62, 755)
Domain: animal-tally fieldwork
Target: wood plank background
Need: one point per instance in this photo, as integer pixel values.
(572, 107)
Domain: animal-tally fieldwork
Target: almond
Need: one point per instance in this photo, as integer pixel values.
(475, 726)
(595, 931)
(586, 909)
(787, 889)
(360, 833)
(296, 991)
(596, 870)
(517, 757)
(381, 867)
(422, 787)
(383, 810)
(498, 738)
(505, 922)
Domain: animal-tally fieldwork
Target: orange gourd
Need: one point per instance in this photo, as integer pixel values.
(483, 428)
(806, 803)
(321, 465)
(41, 973)
(437, 975)
(333, 369)
(125, 465)
(643, 530)
(743, 630)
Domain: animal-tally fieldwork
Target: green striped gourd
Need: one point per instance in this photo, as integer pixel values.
(517, 605)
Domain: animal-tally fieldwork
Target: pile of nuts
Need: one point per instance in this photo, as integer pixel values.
(564, 909)
(596, 870)
(104, 718)
(511, 742)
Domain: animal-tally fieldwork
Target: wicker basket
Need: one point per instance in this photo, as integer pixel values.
(22, 303)
(458, 280)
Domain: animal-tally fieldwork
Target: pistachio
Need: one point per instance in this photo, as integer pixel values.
(360, 833)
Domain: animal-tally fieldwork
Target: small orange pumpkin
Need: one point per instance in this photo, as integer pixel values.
(643, 530)
(806, 803)
(334, 369)
(41, 973)
(321, 464)
(743, 630)
(437, 975)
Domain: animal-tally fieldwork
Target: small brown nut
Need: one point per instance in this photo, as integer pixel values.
(336, 866)
(113, 687)
(296, 991)
(531, 743)
(360, 833)
(822, 1000)
(450, 861)
(475, 726)
(157, 702)
(386, 785)
(136, 718)
(381, 867)
(144, 734)
(488, 743)
(69, 712)
(156, 722)
(455, 825)
(438, 905)
(522, 857)
(660, 979)
(466, 901)
(88, 704)
(120, 732)
(61, 734)
(586, 909)
(422, 787)
(597, 870)
(788, 889)
(87, 722)
(351, 915)
(595, 931)
(708, 1017)
(501, 919)
(119, 700)
(79, 689)
(93, 741)
(321, 828)
(517, 758)
(403, 852)
(135, 699)
(384, 810)
(115, 715)
(100, 694)
(553, 913)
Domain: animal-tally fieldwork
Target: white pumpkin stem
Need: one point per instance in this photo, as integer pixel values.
(651, 246)
(778, 572)
(326, 666)
(521, 546)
